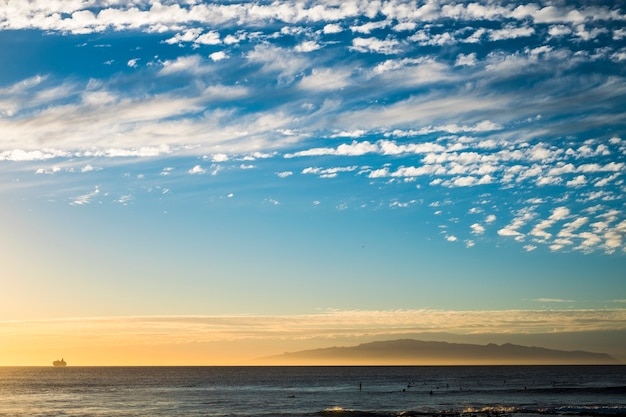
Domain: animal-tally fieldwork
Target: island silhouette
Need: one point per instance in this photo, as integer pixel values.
(417, 352)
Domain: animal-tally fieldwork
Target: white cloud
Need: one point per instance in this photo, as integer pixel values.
(579, 181)
(405, 26)
(569, 228)
(220, 157)
(468, 60)
(562, 168)
(144, 151)
(332, 28)
(560, 213)
(328, 172)
(603, 182)
(220, 92)
(349, 134)
(326, 79)
(124, 200)
(161, 17)
(278, 60)
(475, 37)
(386, 46)
(189, 35)
(52, 170)
(258, 155)
(540, 230)
(22, 86)
(85, 198)
(218, 56)
(353, 149)
(595, 167)
(541, 181)
(190, 63)
(522, 218)
(586, 35)
(612, 240)
(510, 32)
(209, 38)
(368, 27)
(235, 39)
(589, 241)
(21, 155)
(464, 181)
(559, 30)
(197, 170)
(424, 38)
(379, 173)
(477, 229)
(540, 152)
(619, 34)
(549, 14)
(284, 174)
(307, 46)
(272, 202)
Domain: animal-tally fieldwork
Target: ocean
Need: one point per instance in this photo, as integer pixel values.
(313, 391)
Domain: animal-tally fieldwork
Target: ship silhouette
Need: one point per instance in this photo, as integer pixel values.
(59, 363)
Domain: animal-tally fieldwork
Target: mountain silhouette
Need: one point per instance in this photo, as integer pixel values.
(416, 352)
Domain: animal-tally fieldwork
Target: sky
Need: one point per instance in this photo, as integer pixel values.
(209, 182)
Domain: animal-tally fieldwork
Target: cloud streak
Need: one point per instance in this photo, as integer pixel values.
(328, 325)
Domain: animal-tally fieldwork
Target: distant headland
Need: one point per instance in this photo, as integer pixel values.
(416, 352)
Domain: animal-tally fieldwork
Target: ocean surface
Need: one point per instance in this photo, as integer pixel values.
(313, 391)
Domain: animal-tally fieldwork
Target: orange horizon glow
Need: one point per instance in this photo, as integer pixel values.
(245, 340)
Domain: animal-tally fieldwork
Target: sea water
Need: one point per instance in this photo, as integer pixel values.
(313, 391)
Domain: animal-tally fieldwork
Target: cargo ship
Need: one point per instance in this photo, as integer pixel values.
(59, 363)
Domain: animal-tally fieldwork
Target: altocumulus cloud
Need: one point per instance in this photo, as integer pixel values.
(365, 92)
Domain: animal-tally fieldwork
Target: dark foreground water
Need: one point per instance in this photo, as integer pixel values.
(313, 391)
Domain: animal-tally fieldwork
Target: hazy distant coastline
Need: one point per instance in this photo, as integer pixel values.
(417, 352)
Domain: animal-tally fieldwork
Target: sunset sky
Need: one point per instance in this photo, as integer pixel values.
(208, 182)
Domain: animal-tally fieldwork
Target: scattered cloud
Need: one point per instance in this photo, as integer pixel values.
(85, 198)
(197, 170)
(360, 91)
(332, 28)
(477, 229)
(218, 56)
(382, 46)
(328, 172)
(191, 63)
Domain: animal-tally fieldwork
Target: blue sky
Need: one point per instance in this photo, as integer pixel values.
(284, 158)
